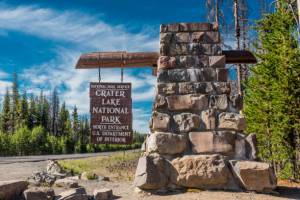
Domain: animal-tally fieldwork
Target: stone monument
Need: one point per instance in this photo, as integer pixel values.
(196, 138)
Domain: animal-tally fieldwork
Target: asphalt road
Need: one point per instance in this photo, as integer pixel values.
(21, 159)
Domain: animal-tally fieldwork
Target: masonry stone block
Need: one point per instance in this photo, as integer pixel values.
(222, 87)
(208, 37)
(160, 121)
(166, 62)
(208, 74)
(182, 37)
(202, 171)
(219, 102)
(179, 49)
(166, 38)
(166, 143)
(178, 75)
(204, 87)
(152, 172)
(222, 142)
(159, 102)
(192, 61)
(194, 75)
(186, 88)
(162, 76)
(187, 122)
(232, 121)
(193, 49)
(208, 119)
(254, 176)
(187, 102)
(235, 103)
(193, 27)
(166, 88)
(240, 147)
(251, 147)
(217, 61)
(222, 74)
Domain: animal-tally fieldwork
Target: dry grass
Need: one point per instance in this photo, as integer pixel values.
(118, 166)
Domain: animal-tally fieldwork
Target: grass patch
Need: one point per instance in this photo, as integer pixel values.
(118, 166)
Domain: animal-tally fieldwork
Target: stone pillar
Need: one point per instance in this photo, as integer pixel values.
(196, 137)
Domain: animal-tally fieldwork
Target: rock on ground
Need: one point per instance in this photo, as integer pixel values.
(66, 182)
(12, 189)
(39, 193)
(151, 173)
(74, 194)
(202, 171)
(254, 176)
(103, 194)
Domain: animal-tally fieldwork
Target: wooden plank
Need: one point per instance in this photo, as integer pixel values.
(146, 59)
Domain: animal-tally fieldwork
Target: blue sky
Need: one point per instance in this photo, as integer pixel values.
(42, 40)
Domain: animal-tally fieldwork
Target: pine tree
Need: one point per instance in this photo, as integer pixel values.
(63, 120)
(54, 112)
(15, 102)
(32, 114)
(272, 104)
(45, 116)
(75, 125)
(23, 110)
(5, 117)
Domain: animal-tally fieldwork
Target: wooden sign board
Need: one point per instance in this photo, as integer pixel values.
(111, 113)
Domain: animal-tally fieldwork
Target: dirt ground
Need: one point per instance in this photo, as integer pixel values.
(125, 189)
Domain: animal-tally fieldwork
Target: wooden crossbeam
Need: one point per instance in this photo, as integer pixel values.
(146, 59)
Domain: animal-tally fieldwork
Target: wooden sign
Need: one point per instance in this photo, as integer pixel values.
(111, 113)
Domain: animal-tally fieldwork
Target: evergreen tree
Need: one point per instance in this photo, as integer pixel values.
(45, 116)
(64, 118)
(75, 125)
(15, 101)
(54, 113)
(32, 114)
(5, 117)
(272, 104)
(23, 108)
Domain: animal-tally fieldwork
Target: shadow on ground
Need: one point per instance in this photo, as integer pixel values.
(288, 192)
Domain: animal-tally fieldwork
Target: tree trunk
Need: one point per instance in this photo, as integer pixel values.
(237, 36)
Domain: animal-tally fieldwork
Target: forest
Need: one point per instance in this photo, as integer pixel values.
(37, 125)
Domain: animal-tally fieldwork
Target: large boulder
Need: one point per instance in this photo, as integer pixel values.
(73, 194)
(152, 172)
(39, 193)
(12, 189)
(254, 176)
(202, 171)
(103, 194)
(166, 143)
(210, 142)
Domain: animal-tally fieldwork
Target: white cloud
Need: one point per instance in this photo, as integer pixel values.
(140, 120)
(3, 74)
(72, 26)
